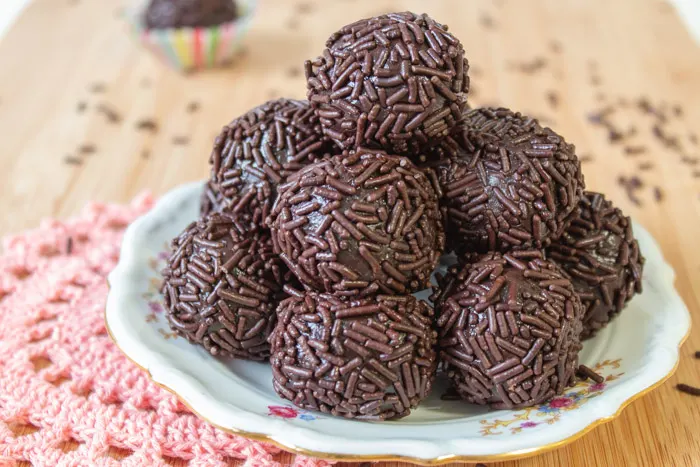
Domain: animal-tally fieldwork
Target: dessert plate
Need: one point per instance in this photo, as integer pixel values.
(637, 352)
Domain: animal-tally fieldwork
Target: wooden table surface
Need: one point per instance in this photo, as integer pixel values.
(620, 79)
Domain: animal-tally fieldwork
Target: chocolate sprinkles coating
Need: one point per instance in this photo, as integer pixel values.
(357, 224)
(396, 82)
(256, 151)
(221, 287)
(368, 359)
(507, 183)
(508, 329)
(211, 200)
(600, 254)
(164, 14)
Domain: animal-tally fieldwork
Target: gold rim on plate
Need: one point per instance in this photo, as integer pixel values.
(519, 454)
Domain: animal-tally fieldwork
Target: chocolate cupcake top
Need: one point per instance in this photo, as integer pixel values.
(511, 184)
(165, 14)
(358, 224)
(397, 82)
(509, 327)
(601, 255)
(221, 286)
(370, 359)
(254, 153)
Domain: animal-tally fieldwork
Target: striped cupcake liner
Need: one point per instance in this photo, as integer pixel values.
(189, 49)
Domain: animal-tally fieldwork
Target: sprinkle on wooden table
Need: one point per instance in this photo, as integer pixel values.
(688, 389)
(81, 107)
(658, 194)
(192, 107)
(487, 22)
(180, 140)
(87, 149)
(98, 88)
(147, 125)
(71, 160)
(110, 113)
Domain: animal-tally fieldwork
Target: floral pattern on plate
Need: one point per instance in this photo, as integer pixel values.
(550, 412)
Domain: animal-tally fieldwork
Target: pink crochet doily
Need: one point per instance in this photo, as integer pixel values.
(86, 393)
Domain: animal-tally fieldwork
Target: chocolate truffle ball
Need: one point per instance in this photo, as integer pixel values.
(511, 184)
(165, 14)
(601, 255)
(509, 327)
(358, 224)
(370, 359)
(254, 153)
(211, 200)
(396, 82)
(221, 287)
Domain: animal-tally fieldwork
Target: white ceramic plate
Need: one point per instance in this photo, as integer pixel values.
(636, 353)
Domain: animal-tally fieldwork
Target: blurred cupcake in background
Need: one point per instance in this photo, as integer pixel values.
(193, 34)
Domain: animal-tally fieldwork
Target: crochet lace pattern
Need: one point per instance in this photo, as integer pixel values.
(52, 297)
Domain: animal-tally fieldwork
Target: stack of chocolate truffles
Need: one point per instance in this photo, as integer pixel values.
(323, 217)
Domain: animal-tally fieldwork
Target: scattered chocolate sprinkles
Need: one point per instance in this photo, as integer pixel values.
(81, 107)
(98, 88)
(221, 287)
(509, 327)
(257, 150)
(192, 107)
(697, 354)
(71, 160)
(304, 8)
(367, 359)
(553, 99)
(631, 185)
(111, 114)
(87, 149)
(531, 67)
(487, 22)
(396, 82)
(181, 140)
(600, 254)
(634, 150)
(509, 183)
(69, 246)
(658, 194)
(147, 125)
(358, 224)
(688, 389)
(587, 373)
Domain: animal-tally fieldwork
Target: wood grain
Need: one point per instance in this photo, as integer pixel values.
(61, 53)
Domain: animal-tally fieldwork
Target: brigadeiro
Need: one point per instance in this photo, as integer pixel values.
(510, 183)
(397, 82)
(509, 329)
(254, 153)
(221, 287)
(358, 224)
(370, 359)
(601, 255)
(211, 199)
(165, 14)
